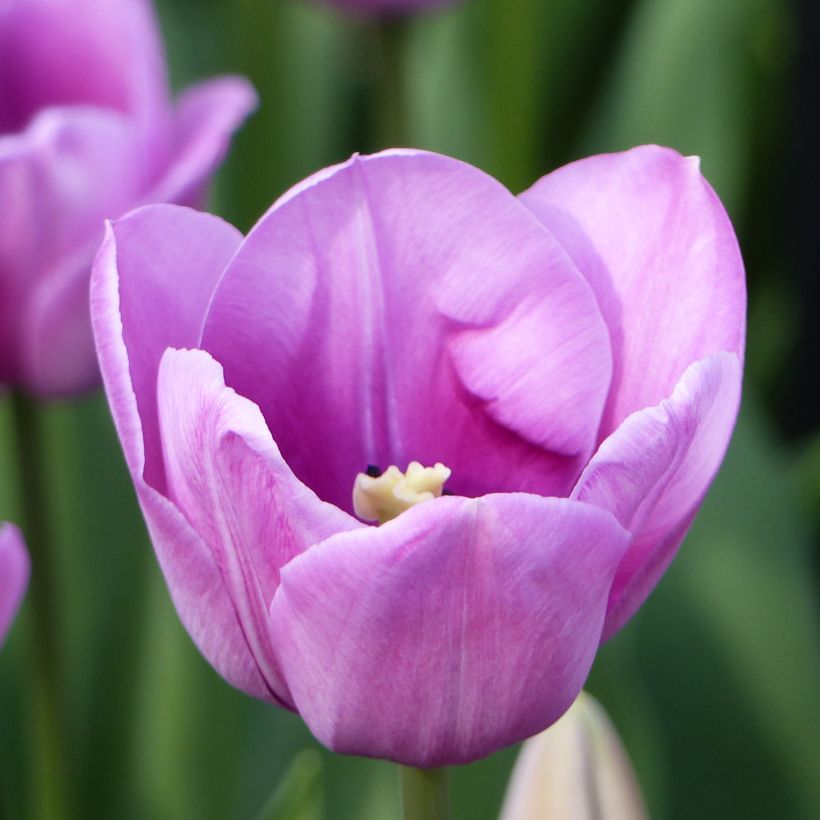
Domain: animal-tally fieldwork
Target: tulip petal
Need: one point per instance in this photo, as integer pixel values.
(14, 572)
(226, 474)
(207, 115)
(576, 769)
(654, 470)
(140, 290)
(58, 179)
(657, 247)
(468, 335)
(459, 627)
(154, 274)
(83, 52)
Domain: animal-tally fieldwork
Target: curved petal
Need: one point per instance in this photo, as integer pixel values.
(226, 475)
(406, 307)
(79, 52)
(207, 116)
(58, 181)
(152, 280)
(14, 572)
(653, 472)
(460, 627)
(141, 298)
(655, 243)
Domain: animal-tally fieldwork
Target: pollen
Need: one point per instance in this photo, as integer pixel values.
(382, 497)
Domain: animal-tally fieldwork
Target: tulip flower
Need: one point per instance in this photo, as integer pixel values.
(87, 132)
(530, 395)
(14, 570)
(576, 769)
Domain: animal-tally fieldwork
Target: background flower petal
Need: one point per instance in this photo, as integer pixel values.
(206, 117)
(14, 572)
(82, 52)
(655, 243)
(369, 307)
(58, 181)
(459, 627)
(153, 277)
(226, 475)
(654, 470)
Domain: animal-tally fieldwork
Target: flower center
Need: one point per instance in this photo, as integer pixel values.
(381, 496)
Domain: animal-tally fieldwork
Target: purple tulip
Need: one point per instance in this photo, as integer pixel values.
(14, 569)
(571, 357)
(87, 131)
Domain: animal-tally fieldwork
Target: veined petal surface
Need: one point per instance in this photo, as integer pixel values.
(461, 626)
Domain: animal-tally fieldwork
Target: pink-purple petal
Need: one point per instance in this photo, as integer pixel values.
(460, 627)
(363, 307)
(79, 52)
(206, 117)
(226, 475)
(658, 249)
(153, 277)
(14, 573)
(194, 580)
(654, 470)
(58, 180)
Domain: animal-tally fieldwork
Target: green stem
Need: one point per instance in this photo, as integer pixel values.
(424, 794)
(389, 104)
(51, 771)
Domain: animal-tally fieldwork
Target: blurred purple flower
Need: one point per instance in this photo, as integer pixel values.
(14, 569)
(87, 131)
(573, 355)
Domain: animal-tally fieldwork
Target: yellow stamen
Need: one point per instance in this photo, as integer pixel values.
(382, 498)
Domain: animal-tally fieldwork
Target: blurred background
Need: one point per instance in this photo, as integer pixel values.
(715, 685)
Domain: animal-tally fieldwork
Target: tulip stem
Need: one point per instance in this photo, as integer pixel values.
(48, 719)
(424, 794)
(389, 96)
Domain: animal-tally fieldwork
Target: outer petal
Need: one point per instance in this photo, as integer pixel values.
(654, 470)
(154, 275)
(207, 116)
(405, 306)
(656, 245)
(69, 52)
(576, 769)
(225, 473)
(14, 572)
(460, 627)
(143, 288)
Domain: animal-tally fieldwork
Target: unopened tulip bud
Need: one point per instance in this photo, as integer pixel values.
(576, 769)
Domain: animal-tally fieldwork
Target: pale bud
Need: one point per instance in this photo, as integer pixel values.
(575, 770)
